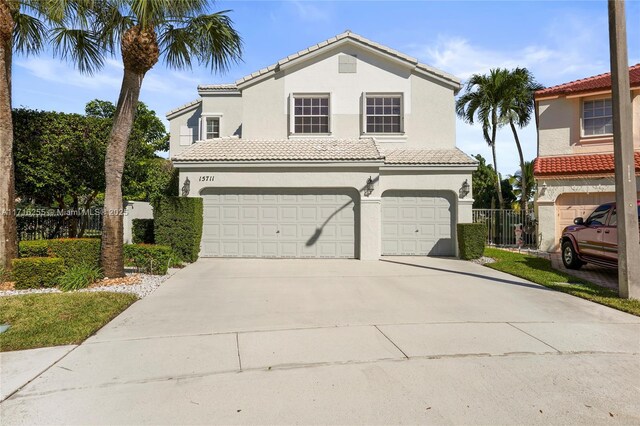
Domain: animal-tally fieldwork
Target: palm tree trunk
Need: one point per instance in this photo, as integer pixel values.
(523, 184)
(494, 128)
(112, 258)
(8, 231)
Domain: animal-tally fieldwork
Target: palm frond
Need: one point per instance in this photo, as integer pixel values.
(29, 33)
(211, 39)
(82, 47)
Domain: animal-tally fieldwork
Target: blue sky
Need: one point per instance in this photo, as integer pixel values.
(557, 41)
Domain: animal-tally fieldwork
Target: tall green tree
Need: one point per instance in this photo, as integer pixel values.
(516, 108)
(524, 188)
(25, 26)
(141, 32)
(481, 102)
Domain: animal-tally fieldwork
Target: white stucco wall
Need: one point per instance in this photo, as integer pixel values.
(338, 176)
(263, 108)
(135, 210)
(190, 118)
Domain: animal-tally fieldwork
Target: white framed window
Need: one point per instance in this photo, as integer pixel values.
(311, 114)
(597, 117)
(212, 127)
(382, 113)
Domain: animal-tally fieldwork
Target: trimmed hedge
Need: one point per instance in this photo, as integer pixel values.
(35, 272)
(178, 224)
(148, 258)
(472, 238)
(76, 251)
(37, 248)
(143, 231)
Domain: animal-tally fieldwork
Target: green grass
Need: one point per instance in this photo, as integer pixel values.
(40, 320)
(539, 270)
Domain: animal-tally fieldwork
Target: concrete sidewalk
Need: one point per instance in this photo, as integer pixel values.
(405, 340)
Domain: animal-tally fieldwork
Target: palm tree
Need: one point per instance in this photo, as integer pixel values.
(24, 26)
(482, 99)
(143, 31)
(516, 107)
(523, 189)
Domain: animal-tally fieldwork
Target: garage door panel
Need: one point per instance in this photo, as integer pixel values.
(417, 223)
(278, 225)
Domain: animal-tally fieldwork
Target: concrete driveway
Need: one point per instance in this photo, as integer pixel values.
(403, 340)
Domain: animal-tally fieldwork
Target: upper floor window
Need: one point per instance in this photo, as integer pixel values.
(597, 117)
(310, 114)
(212, 129)
(383, 113)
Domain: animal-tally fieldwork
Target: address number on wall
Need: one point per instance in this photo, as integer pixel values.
(207, 178)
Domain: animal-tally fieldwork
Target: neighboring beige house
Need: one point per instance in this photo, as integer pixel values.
(574, 169)
(343, 150)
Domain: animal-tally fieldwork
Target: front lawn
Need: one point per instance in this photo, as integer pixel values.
(52, 319)
(539, 270)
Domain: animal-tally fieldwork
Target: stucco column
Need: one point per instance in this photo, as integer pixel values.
(546, 215)
(370, 224)
(465, 213)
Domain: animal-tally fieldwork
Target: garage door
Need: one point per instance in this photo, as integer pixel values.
(570, 206)
(417, 223)
(279, 224)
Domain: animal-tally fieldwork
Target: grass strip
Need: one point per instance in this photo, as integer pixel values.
(539, 271)
(52, 319)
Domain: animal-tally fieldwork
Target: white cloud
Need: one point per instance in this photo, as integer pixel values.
(59, 72)
(309, 11)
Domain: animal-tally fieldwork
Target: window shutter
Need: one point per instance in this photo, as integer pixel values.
(363, 117)
(291, 114)
(186, 135)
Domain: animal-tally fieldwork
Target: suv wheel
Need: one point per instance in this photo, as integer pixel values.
(569, 256)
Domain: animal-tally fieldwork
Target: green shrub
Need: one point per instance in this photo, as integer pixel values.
(76, 251)
(37, 248)
(79, 276)
(178, 224)
(471, 240)
(143, 231)
(35, 272)
(5, 275)
(148, 258)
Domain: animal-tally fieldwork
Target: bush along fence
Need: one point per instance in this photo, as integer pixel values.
(471, 240)
(501, 227)
(178, 224)
(49, 224)
(74, 263)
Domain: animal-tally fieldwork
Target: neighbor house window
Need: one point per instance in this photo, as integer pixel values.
(212, 130)
(383, 113)
(310, 114)
(597, 117)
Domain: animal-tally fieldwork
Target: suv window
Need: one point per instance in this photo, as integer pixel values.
(613, 220)
(599, 216)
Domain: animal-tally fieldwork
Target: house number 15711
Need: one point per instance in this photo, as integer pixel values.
(205, 179)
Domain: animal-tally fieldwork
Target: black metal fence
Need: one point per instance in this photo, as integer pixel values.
(48, 224)
(502, 225)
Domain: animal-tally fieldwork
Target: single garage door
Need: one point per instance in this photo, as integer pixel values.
(570, 206)
(417, 223)
(278, 224)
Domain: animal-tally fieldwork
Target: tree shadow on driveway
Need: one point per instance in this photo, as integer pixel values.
(470, 274)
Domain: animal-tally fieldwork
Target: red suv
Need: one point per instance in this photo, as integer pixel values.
(594, 240)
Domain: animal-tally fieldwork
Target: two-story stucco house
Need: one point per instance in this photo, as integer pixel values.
(343, 150)
(574, 169)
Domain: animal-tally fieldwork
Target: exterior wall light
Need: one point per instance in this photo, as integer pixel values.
(465, 189)
(186, 187)
(543, 188)
(368, 188)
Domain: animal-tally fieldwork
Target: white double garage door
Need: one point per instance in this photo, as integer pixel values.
(310, 223)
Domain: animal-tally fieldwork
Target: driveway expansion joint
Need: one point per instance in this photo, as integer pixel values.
(392, 342)
(531, 335)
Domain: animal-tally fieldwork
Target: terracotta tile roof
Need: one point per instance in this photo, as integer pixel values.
(590, 84)
(578, 165)
(428, 156)
(239, 150)
(183, 107)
